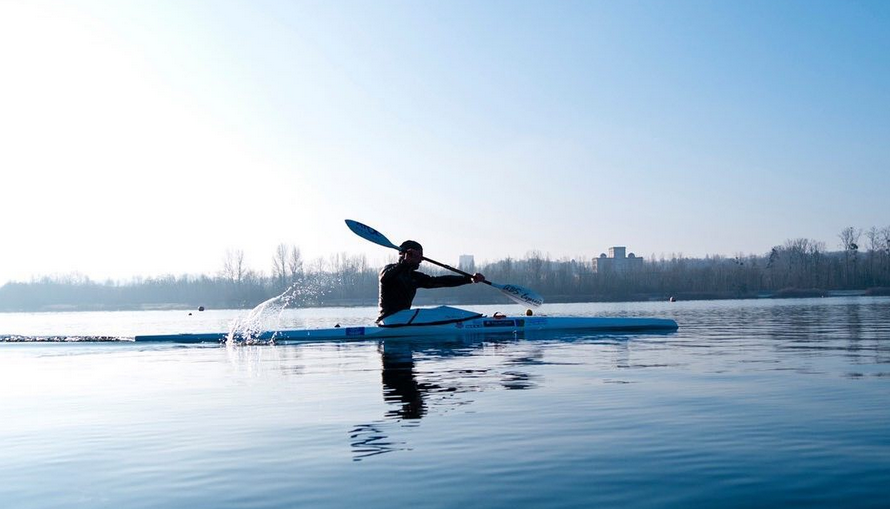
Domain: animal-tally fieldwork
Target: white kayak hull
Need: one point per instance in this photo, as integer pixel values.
(478, 325)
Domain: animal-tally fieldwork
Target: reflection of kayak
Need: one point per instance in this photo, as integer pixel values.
(442, 320)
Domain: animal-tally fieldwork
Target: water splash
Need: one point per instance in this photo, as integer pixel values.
(249, 329)
(261, 324)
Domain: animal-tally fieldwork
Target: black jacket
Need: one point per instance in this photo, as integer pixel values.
(399, 283)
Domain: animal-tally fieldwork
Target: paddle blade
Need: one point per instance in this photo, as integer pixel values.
(520, 295)
(366, 232)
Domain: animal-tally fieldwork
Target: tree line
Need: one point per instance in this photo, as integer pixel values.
(799, 267)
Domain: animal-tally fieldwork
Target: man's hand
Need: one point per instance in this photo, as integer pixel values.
(478, 278)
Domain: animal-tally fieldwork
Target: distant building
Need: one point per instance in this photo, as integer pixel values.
(617, 261)
(466, 263)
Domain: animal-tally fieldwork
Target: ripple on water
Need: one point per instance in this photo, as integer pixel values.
(749, 403)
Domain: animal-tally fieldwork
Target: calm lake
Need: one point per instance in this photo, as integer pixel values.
(758, 403)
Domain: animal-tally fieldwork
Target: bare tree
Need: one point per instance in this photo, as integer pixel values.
(279, 266)
(885, 254)
(295, 264)
(535, 266)
(850, 242)
(318, 265)
(885, 239)
(233, 266)
(850, 239)
(874, 246)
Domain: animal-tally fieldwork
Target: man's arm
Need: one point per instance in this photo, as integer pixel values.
(426, 281)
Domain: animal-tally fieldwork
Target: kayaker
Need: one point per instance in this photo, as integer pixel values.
(399, 281)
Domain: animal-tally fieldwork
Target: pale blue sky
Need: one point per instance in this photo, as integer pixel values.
(143, 138)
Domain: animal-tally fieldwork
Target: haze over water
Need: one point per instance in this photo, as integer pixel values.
(749, 404)
(148, 138)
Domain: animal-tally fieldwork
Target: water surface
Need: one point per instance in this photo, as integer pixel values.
(748, 404)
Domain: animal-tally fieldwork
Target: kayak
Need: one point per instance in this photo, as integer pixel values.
(440, 321)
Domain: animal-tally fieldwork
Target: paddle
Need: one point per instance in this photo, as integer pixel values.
(521, 295)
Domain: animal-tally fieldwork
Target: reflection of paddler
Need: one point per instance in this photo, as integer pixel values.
(399, 382)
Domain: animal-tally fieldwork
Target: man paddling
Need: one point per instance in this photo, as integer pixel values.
(399, 281)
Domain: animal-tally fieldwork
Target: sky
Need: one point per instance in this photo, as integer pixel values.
(150, 138)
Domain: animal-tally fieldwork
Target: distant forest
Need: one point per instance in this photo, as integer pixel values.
(799, 267)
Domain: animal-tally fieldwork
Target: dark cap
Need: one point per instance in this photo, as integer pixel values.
(410, 244)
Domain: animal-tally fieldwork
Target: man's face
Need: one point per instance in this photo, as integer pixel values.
(413, 257)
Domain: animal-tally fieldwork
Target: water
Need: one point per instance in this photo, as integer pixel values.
(749, 404)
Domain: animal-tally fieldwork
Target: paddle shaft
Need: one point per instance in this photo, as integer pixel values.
(452, 269)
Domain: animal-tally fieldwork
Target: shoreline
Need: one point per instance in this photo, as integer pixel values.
(790, 293)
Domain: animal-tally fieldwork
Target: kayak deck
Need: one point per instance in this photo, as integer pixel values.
(480, 325)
